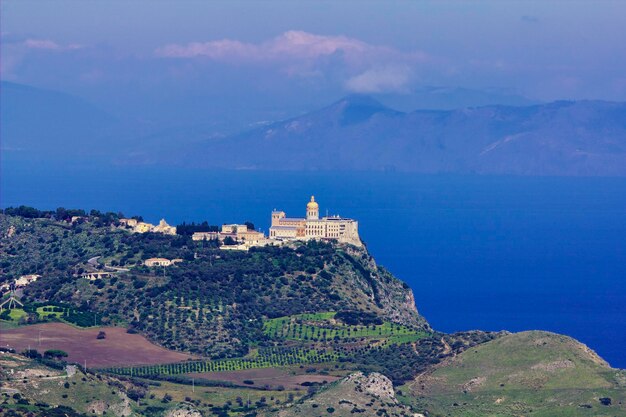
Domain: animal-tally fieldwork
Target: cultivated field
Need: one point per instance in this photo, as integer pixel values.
(117, 349)
(323, 327)
(272, 377)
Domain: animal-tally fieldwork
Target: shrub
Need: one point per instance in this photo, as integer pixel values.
(55, 354)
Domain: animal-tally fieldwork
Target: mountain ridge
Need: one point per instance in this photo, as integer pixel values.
(355, 133)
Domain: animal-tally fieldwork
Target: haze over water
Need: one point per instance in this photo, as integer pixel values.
(487, 253)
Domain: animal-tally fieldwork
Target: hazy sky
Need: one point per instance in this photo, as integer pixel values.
(299, 52)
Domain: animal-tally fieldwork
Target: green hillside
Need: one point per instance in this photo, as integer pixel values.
(530, 373)
(357, 394)
(214, 302)
(273, 331)
(32, 387)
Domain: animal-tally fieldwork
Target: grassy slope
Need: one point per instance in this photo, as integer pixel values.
(530, 372)
(358, 394)
(44, 388)
(41, 384)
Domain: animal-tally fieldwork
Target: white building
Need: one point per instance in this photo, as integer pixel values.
(313, 227)
(164, 228)
(143, 227)
(161, 262)
(24, 280)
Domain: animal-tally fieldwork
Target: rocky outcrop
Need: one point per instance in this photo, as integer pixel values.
(366, 395)
(183, 412)
(374, 384)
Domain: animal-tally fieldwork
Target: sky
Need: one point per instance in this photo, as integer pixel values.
(165, 59)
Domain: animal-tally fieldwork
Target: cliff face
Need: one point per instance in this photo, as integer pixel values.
(393, 299)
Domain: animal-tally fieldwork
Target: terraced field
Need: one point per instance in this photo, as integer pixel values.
(318, 338)
(324, 327)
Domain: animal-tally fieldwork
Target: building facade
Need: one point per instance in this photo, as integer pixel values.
(143, 227)
(164, 228)
(24, 280)
(161, 262)
(313, 227)
(238, 232)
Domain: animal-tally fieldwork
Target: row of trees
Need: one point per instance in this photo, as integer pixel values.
(62, 213)
(188, 229)
(284, 328)
(268, 359)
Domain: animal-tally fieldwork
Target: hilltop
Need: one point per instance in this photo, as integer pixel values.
(217, 300)
(306, 302)
(530, 372)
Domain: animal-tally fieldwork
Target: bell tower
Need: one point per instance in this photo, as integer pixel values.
(312, 210)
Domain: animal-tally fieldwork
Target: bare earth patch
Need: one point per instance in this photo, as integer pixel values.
(474, 383)
(553, 366)
(117, 349)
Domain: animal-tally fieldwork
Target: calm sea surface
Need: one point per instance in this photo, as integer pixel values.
(479, 252)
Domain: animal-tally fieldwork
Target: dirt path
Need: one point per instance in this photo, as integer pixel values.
(446, 347)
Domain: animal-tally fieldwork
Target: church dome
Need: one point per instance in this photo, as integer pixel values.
(312, 205)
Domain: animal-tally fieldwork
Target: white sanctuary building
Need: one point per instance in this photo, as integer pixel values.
(312, 227)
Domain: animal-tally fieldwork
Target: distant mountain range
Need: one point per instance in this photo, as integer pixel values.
(356, 133)
(450, 98)
(38, 123)
(359, 133)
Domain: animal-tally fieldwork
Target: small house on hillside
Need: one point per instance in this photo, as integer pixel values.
(24, 280)
(161, 262)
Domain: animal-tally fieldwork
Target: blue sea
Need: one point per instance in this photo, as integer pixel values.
(480, 252)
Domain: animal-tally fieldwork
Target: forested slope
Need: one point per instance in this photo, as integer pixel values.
(214, 301)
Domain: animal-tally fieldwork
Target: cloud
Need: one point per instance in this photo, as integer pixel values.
(354, 64)
(294, 49)
(49, 45)
(17, 49)
(289, 45)
(219, 50)
(380, 80)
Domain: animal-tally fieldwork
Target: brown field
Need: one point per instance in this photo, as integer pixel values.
(267, 376)
(118, 349)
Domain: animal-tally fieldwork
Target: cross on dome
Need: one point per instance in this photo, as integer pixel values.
(312, 204)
